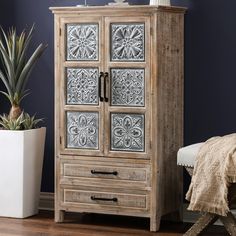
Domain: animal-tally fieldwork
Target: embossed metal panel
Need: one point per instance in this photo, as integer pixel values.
(127, 132)
(127, 42)
(82, 42)
(82, 86)
(82, 130)
(128, 87)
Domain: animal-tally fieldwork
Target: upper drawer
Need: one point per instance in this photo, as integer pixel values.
(74, 171)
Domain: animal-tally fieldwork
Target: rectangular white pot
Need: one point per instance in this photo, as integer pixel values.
(21, 161)
(160, 2)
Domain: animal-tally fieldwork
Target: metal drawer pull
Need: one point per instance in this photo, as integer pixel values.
(106, 84)
(94, 172)
(100, 86)
(114, 199)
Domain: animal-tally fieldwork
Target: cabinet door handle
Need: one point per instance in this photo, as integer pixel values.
(106, 86)
(94, 172)
(100, 86)
(114, 199)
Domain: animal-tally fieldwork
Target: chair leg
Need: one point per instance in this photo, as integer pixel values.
(229, 222)
(202, 223)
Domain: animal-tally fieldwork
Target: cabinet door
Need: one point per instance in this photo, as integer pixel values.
(127, 86)
(81, 118)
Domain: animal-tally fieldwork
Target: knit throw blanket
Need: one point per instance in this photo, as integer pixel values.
(214, 171)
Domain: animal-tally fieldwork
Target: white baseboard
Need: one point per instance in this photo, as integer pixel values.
(46, 202)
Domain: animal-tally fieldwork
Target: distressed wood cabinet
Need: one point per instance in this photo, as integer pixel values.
(118, 110)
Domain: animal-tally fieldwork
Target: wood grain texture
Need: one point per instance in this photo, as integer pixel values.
(134, 65)
(123, 9)
(170, 75)
(59, 214)
(149, 178)
(116, 200)
(126, 175)
(202, 224)
(81, 64)
(229, 223)
(93, 224)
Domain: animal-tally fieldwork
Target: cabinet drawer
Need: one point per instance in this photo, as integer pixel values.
(99, 199)
(75, 172)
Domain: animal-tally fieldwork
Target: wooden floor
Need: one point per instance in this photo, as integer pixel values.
(92, 225)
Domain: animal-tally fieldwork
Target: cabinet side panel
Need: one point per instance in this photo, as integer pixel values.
(58, 213)
(170, 72)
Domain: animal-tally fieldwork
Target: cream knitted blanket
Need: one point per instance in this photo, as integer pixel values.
(214, 170)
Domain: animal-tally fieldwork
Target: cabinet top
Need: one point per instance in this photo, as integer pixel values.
(139, 8)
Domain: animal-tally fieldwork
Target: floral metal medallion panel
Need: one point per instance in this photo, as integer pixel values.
(82, 42)
(128, 87)
(127, 42)
(82, 86)
(127, 132)
(82, 130)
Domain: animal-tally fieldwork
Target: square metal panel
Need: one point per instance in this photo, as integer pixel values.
(82, 130)
(128, 87)
(82, 42)
(82, 86)
(127, 42)
(127, 132)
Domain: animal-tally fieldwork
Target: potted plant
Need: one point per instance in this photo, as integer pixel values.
(21, 141)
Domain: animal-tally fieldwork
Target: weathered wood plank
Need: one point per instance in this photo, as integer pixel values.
(151, 171)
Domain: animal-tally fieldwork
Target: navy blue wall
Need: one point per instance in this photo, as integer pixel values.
(6, 20)
(210, 67)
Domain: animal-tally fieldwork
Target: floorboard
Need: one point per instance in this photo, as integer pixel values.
(92, 225)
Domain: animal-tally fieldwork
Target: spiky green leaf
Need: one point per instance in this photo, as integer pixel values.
(6, 40)
(6, 83)
(16, 65)
(27, 68)
(8, 65)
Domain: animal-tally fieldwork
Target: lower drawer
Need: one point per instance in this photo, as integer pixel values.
(95, 198)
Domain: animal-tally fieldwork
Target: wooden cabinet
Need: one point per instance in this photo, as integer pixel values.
(118, 110)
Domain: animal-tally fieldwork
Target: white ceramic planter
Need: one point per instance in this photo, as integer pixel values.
(160, 2)
(21, 161)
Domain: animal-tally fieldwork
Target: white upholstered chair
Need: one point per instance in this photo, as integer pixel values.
(186, 157)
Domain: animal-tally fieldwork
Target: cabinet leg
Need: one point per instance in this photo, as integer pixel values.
(59, 216)
(155, 223)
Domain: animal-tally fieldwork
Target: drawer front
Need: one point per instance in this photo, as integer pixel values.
(106, 172)
(99, 199)
(75, 172)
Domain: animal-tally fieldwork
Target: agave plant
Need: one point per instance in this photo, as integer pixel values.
(12, 124)
(23, 122)
(17, 66)
(30, 122)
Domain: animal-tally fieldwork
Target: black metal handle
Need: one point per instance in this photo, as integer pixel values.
(94, 172)
(114, 199)
(106, 82)
(100, 86)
